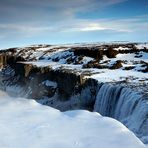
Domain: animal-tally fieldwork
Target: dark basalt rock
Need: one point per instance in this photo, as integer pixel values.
(67, 82)
(129, 68)
(94, 64)
(110, 52)
(90, 52)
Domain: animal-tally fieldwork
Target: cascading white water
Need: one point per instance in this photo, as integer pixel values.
(106, 99)
(126, 106)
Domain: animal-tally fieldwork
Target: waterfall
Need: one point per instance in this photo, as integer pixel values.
(106, 99)
(125, 105)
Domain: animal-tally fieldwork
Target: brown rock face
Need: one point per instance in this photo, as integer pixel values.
(90, 52)
(3, 60)
(27, 69)
(110, 52)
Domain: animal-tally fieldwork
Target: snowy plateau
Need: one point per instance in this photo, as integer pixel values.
(74, 96)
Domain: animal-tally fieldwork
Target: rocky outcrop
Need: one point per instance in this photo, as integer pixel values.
(94, 64)
(32, 76)
(96, 53)
(110, 52)
(3, 60)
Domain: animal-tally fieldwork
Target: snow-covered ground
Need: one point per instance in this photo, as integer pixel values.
(26, 124)
(107, 75)
(102, 75)
(133, 65)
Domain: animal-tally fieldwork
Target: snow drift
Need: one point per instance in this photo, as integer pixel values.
(25, 123)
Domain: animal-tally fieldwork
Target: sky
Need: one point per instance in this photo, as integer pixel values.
(27, 22)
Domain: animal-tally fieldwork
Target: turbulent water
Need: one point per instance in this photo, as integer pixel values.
(126, 106)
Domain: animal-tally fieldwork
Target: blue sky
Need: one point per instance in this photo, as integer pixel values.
(25, 22)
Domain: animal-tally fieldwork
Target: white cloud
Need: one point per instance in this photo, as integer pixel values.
(92, 27)
(35, 17)
(48, 10)
(127, 25)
